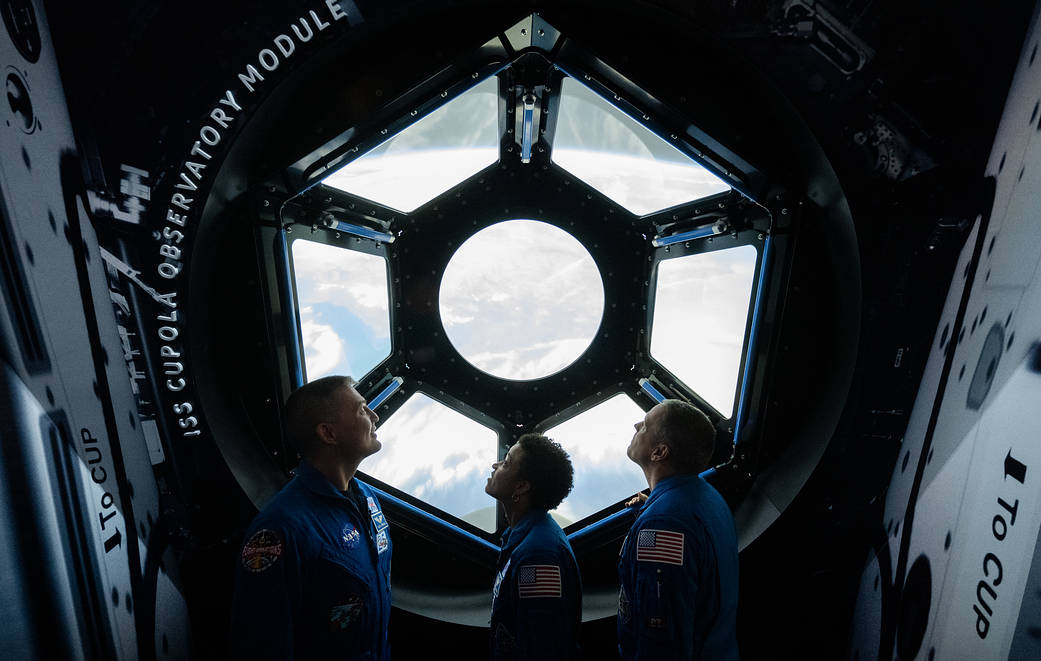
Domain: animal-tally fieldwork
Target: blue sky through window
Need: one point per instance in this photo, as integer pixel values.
(344, 309)
(439, 456)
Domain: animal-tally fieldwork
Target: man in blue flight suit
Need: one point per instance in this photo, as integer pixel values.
(537, 595)
(678, 567)
(313, 577)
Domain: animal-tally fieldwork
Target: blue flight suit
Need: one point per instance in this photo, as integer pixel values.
(678, 575)
(313, 576)
(537, 596)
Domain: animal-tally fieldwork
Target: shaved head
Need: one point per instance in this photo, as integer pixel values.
(688, 432)
(309, 405)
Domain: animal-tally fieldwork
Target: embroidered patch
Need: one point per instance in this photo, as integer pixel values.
(341, 616)
(350, 536)
(503, 640)
(623, 605)
(660, 546)
(656, 623)
(381, 541)
(498, 580)
(379, 520)
(538, 581)
(261, 550)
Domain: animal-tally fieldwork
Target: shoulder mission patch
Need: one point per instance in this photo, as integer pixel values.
(261, 551)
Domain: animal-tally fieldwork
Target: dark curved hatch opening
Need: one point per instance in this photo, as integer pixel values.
(692, 245)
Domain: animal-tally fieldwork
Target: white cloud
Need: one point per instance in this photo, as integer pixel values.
(521, 299)
(640, 184)
(352, 280)
(700, 311)
(427, 158)
(532, 361)
(323, 349)
(596, 440)
(408, 180)
(436, 454)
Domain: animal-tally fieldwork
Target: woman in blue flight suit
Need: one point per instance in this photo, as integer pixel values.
(537, 595)
(313, 577)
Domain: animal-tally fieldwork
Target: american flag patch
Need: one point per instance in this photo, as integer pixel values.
(538, 581)
(660, 546)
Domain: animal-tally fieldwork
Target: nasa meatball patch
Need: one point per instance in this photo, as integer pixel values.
(261, 551)
(350, 537)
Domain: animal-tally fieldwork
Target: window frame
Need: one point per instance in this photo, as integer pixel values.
(306, 207)
(705, 246)
(330, 237)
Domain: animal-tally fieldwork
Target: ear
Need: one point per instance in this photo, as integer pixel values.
(323, 431)
(522, 488)
(660, 452)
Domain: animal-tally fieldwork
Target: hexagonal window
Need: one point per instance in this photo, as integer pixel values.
(517, 298)
(521, 299)
(344, 308)
(597, 439)
(439, 456)
(700, 312)
(621, 158)
(446, 147)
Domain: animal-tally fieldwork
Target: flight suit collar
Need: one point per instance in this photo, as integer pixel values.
(317, 483)
(668, 484)
(513, 536)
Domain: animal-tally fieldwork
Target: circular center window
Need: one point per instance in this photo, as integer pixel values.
(521, 299)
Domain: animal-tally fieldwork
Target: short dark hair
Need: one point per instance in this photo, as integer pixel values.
(307, 406)
(547, 467)
(689, 433)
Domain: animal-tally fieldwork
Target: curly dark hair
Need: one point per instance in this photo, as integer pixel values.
(547, 467)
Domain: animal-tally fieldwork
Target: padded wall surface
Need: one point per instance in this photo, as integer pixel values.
(88, 455)
(969, 471)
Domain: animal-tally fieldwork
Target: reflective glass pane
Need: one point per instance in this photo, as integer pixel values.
(597, 440)
(521, 299)
(440, 456)
(698, 329)
(621, 158)
(344, 309)
(449, 145)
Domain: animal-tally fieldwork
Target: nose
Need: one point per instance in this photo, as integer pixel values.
(495, 466)
(372, 414)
